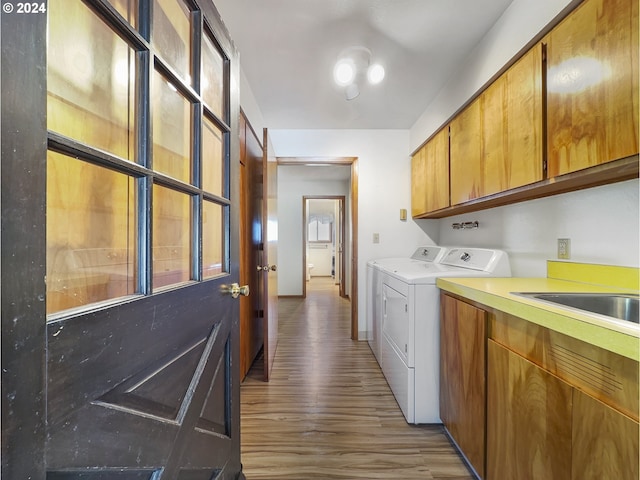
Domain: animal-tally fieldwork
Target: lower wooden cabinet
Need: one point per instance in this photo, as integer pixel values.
(528, 419)
(604, 441)
(539, 426)
(462, 377)
(504, 403)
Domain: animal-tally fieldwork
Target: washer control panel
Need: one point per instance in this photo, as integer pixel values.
(428, 253)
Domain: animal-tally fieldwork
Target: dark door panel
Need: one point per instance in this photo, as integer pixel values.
(144, 331)
(120, 347)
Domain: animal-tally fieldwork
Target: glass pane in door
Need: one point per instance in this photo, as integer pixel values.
(172, 35)
(128, 9)
(212, 240)
(212, 158)
(90, 80)
(171, 130)
(171, 237)
(91, 228)
(212, 77)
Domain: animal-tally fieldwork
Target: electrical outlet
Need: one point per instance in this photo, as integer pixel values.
(564, 248)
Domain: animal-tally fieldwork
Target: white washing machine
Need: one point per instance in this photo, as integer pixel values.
(409, 347)
(426, 254)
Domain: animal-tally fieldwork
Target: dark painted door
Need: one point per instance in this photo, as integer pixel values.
(120, 323)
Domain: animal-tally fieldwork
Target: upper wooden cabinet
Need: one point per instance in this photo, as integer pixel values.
(496, 142)
(592, 85)
(585, 90)
(466, 154)
(430, 175)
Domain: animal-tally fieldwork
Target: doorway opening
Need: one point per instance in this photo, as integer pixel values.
(323, 252)
(350, 230)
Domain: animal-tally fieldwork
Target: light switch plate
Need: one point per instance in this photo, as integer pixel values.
(564, 248)
(376, 238)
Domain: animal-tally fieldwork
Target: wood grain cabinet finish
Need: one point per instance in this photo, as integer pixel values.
(577, 403)
(462, 377)
(430, 175)
(592, 85)
(466, 154)
(604, 441)
(497, 142)
(529, 418)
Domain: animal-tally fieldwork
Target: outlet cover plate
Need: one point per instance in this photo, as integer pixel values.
(564, 248)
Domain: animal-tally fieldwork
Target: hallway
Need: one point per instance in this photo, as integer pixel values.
(328, 412)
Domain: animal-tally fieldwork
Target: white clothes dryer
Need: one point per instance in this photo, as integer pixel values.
(426, 254)
(409, 348)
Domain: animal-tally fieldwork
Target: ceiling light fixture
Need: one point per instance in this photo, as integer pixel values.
(344, 72)
(354, 68)
(375, 73)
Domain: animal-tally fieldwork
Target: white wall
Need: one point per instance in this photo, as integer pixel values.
(384, 187)
(602, 223)
(250, 106)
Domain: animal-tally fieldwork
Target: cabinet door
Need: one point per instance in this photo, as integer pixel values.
(523, 111)
(419, 183)
(605, 442)
(462, 377)
(528, 419)
(495, 155)
(496, 142)
(466, 155)
(437, 171)
(430, 175)
(592, 86)
(512, 126)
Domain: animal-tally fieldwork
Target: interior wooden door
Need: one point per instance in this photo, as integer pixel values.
(135, 180)
(252, 331)
(270, 259)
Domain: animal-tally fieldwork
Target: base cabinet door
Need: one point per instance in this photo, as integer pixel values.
(462, 377)
(604, 441)
(529, 415)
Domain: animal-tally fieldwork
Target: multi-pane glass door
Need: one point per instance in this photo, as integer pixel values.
(138, 115)
(141, 205)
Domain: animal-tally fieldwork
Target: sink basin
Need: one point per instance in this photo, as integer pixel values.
(622, 306)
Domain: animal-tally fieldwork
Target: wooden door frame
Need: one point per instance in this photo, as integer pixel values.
(341, 199)
(353, 162)
(23, 238)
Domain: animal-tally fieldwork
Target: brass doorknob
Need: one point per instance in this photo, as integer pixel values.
(235, 290)
(266, 268)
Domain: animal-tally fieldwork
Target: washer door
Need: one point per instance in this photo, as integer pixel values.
(396, 320)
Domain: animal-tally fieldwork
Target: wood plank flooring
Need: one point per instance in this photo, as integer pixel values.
(327, 411)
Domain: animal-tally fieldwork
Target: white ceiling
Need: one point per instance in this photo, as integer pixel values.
(288, 49)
